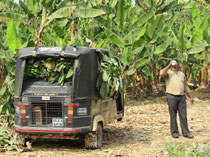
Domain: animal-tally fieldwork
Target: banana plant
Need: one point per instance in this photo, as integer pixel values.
(194, 43)
(7, 89)
(151, 41)
(26, 25)
(110, 82)
(39, 14)
(64, 12)
(52, 70)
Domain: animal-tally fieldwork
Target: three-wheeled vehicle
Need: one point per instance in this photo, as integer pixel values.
(72, 111)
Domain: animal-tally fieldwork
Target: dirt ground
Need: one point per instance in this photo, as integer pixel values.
(143, 132)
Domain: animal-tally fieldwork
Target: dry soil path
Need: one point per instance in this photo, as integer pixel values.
(143, 132)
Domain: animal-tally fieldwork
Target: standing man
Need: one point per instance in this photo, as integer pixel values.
(176, 88)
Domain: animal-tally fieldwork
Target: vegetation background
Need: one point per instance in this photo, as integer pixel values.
(145, 35)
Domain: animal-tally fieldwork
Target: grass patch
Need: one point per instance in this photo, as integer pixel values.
(187, 149)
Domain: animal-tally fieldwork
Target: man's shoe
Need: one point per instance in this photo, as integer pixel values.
(189, 136)
(175, 136)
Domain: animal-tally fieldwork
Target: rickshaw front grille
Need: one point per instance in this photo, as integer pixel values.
(42, 113)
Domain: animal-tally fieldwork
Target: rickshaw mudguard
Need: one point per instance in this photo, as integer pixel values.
(96, 120)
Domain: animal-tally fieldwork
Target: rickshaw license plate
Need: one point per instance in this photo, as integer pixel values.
(45, 97)
(57, 122)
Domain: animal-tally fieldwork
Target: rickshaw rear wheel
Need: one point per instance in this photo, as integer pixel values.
(94, 139)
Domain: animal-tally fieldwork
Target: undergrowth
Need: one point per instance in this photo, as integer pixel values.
(6, 141)
(187, 149)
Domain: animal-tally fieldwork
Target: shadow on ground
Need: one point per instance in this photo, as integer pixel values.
(112, 137)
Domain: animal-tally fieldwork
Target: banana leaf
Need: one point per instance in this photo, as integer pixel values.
(89, 13)
(104, 90)
(160, 49)
(70, 73)
(181, 42)
(197, 48)
(13, 41)
(105, 76)
(142, 19)
(62, 13)
(26, 9)
(115, 38)
(130, 72)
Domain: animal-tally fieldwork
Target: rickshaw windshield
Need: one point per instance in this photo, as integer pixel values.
(48, 75)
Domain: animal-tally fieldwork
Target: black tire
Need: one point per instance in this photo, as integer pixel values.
(94, 139)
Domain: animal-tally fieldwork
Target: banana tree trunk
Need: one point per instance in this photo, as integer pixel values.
(38, 37)
(209, 76)
(203, 78)
(203, 72)
(42, 26)
(72, 30)
(155, 74)
(3, 73)
(142, 81)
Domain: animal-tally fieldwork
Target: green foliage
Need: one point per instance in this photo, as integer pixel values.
(58, 70)
(114, 38)
(7, 89)
(13, 41)
(187, 149)
(88, 13)
(6, 141)
(145, 37)
(182, 44)
(143, 19)
(110, 81)
(123, 7)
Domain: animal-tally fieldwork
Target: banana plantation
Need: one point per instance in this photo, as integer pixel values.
(144, 34)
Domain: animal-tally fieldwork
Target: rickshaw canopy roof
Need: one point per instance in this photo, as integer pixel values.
(85, 71)
(72, 52)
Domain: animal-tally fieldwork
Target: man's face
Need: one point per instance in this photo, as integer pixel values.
(174, 63)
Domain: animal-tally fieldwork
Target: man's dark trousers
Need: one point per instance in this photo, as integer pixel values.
(177, 103)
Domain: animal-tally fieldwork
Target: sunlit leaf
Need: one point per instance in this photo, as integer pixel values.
(62, 13)
(89, 13)
(12, 37)
(138, 50)
(130, 72)
(197, 36)
(181, 42)
(114, 38)
(142, 19)
(160, 49)
(194, 11)
(104, 90)
(142, 32)
(70, 73)
(105, 76)
(197, 48)
(139, 63)
(25, 8)
(121, 14)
